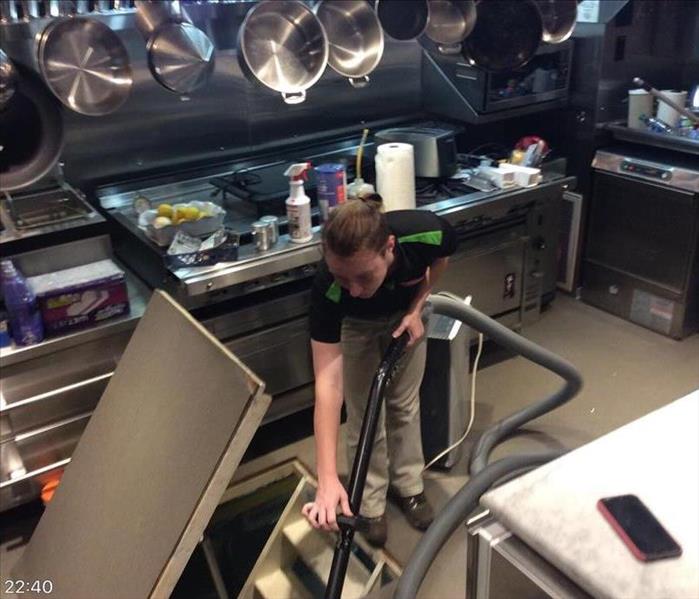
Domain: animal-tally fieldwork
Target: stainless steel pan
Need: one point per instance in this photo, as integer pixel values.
(85, 65)
(506, 36)
(401, 19)
(558, 18)
(355, 38)
(283, 46)
(181, 57)
(450, 23)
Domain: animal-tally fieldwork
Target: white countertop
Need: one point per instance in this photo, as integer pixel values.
(553, 508)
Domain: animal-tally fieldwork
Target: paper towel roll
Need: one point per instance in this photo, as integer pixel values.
(640, 102)
(395, 175)
(668, 114)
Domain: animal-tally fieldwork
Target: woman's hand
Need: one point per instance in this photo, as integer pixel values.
(321, 512)
(412, 322)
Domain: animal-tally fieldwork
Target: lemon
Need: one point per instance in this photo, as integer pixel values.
(165, 210)
(191, 212)
(161, 221)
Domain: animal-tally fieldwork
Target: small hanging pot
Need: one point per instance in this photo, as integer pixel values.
(283, 46)
(181, 56)
(450, 23)
(403, 20)
(355, 38)
(558, 18)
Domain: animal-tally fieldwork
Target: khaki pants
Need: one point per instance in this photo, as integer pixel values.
(397, 454)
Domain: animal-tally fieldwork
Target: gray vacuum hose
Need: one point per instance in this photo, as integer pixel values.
(518, 344)
(453, 515)
(483, 476)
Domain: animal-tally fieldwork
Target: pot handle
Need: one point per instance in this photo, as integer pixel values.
(449, 48)
(295, 98)
(358, 83)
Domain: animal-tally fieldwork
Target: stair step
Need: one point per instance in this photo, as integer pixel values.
(281, 585)
(316, 548)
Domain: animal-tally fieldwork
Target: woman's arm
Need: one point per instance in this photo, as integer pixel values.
(327, 367)
(412, 321)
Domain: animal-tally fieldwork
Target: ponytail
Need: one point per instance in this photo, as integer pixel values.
(356, 225)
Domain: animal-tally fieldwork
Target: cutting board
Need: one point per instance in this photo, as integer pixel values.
(554, 508)
(151, 466)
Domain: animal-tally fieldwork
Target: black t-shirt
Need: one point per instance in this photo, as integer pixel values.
(421, 238)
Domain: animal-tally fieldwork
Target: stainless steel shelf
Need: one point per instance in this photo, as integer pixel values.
(658, 140)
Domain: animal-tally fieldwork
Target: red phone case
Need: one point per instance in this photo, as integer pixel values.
(609, 517)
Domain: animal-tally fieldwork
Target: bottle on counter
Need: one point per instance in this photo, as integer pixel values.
(24, 315)
(298, 204)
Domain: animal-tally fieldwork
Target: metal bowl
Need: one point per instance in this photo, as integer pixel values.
(283, 46)
(85, 65)
(354, 36)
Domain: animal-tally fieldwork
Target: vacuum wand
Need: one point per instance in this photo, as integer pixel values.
(357, 480)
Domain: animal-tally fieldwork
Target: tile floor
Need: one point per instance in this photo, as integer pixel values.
(628, 372)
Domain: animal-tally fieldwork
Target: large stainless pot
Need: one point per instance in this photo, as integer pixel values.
(450, 23)
(355, 38)
(506, 36)
(31, 133)
(283, 46)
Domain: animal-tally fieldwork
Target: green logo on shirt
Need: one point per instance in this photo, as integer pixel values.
(428, 237)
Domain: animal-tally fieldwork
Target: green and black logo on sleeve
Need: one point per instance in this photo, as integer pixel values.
(421, 238)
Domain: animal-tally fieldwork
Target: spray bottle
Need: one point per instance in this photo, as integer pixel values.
(298, 204)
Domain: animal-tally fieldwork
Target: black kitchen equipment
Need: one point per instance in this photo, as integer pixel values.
(403, 20)
(558, 19)
(181, 56)
(456, 89)
(31, 133)
(283, 48)
(449, 23)
(506, 35)
(85, 65)
(434, 149)
(641, 257)
(355, 38)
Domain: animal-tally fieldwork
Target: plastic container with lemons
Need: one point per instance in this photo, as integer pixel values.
(194, 218)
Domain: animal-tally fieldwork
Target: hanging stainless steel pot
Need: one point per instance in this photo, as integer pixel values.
(450, 23)
(403, 20)
(506, 36)
(355, 38)
(558, 18)
(283, 46)
(181, 57)
(31, 133)
(85, 65)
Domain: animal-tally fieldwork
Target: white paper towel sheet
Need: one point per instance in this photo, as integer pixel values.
(554, 508)
(395, 176)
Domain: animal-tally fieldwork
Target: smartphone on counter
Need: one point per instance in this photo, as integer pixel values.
(638, 528)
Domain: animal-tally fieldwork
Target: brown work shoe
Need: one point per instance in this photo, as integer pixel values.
(377, 531)
(417, 511)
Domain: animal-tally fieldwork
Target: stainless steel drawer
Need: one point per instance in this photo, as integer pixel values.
(279, 355)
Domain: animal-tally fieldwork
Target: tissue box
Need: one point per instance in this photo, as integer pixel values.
(81, 296)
